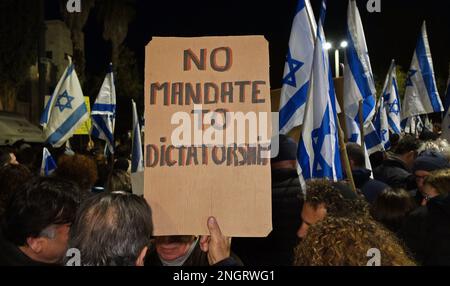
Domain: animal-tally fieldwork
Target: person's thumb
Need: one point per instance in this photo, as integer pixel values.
(214, 228)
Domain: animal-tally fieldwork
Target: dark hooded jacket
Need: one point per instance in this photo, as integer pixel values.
(427, 232)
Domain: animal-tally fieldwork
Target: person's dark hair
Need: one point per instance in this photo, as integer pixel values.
(407, 144)
(11, 177)
(121, 164)
(338, 198)
(428, 135)
(356, 154)
(391, 208)
(111, 229)
(38, 204)
(79, 168)
(30, 157)
(4, 157)
(119, 180)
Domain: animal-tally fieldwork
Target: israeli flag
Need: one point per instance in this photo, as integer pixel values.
(318, 150)
(421, 95)
(381, 124)
(446, 120)
(66, 109)
(358, 78)
(297, 69)
(137, 158)
(48, 165)
(392, 99)
(104, 112)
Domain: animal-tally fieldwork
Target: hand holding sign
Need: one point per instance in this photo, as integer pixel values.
(216, 244)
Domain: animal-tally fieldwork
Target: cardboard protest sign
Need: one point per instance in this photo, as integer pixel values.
(207, 135)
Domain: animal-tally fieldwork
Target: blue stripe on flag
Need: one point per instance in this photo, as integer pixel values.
(300, 5)
(137, 154)
(95, 132)
(393, 126)
(427, 74)
(101, 124)
(104, 107)
(371, 140)
(67, 125)
(294, 103)
(303, 158)
(357, 70)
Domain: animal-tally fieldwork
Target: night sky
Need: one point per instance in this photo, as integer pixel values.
(390, 34)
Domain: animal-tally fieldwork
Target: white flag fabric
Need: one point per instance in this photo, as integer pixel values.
(66, 110)
(392, 99)
(421, 95)
(137, 158)
(359, 85)
(446, 121)
(318, 150)
(104, 111)
(297, 69)
(358, 78)
(48, 165)
(381, 124)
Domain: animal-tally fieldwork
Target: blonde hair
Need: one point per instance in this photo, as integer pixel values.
(346, 242)
(440, 180)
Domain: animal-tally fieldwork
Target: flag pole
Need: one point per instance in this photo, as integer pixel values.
(344, 155)
(361, 124)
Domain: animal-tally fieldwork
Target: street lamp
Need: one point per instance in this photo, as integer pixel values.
(327, 46)
(343, 45)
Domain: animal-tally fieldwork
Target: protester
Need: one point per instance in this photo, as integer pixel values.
(119, 180)
(7, 157)
(361, 175)
(324, 198)
(391, 208)
(427, 229)
(11, 177)
(189, 250)
(112, 229)
(79, 168)
(37, 222)
(348, 242)
(428, 161)
(396, 169)
(287, 199)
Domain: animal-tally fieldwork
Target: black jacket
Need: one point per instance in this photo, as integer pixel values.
(11, 255)
(369, 187)
(277, 248)
(394, 173)
(427, 232)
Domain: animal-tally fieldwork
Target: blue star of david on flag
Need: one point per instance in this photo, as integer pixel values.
(64, 101)
(411, 73)
(394, 107)
(294, 66)
(383, 135)
(320, 164)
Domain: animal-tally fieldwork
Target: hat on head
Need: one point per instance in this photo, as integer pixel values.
(429, 161)
(287, 150)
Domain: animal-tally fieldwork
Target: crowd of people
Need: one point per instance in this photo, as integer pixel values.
(401, 211)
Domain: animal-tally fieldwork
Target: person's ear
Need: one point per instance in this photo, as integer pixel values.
(36, 244)
(141, 257)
